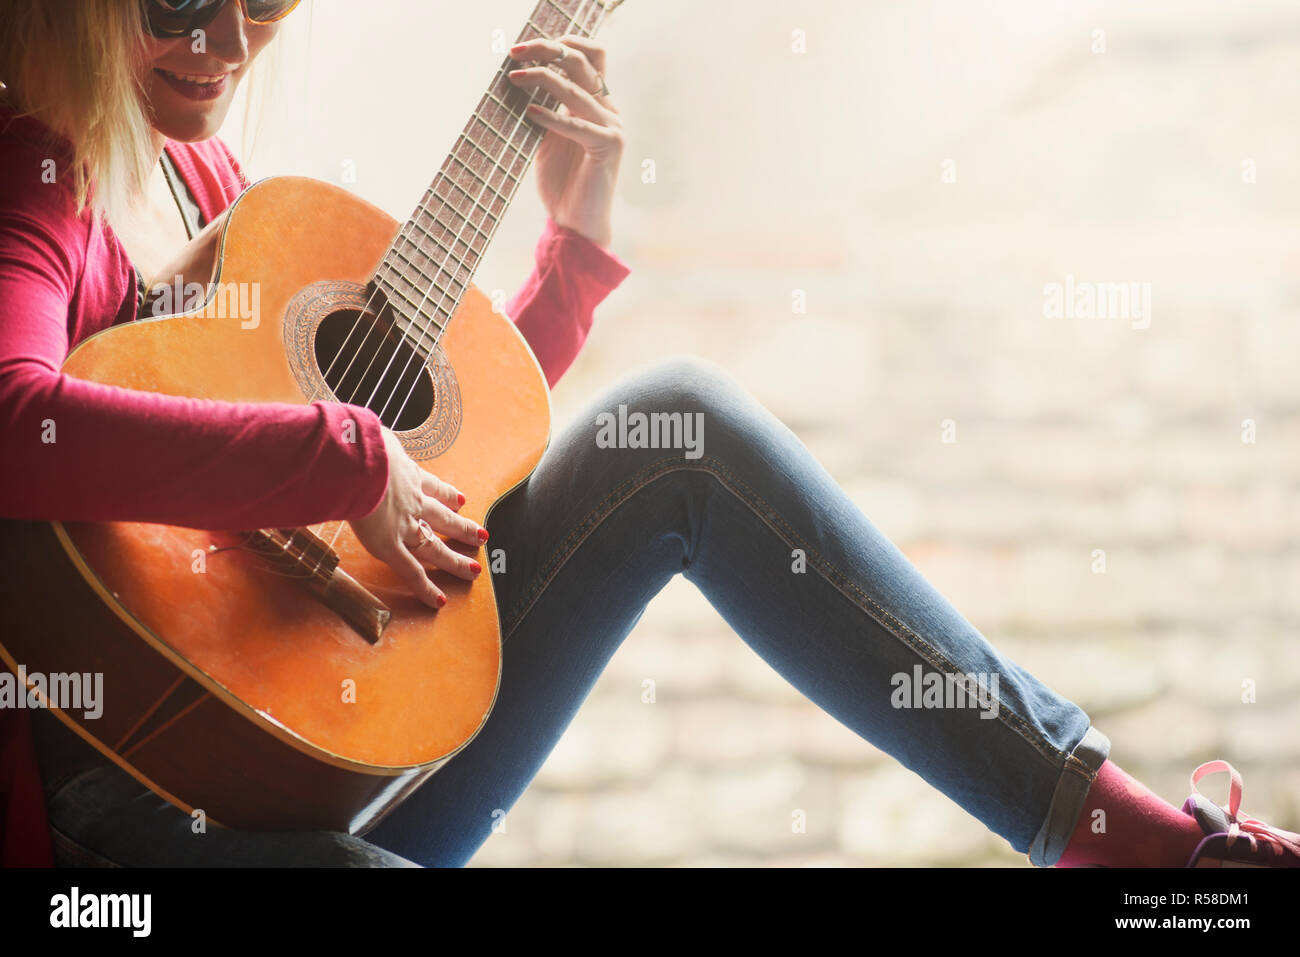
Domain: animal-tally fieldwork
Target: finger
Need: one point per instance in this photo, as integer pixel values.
(581, 61)
(593, 52)
(594, 136)
(579, 101)
(413, 575)
(538, 50)
(446, 522)
(589, 68)
(546, 50)
(438, 554)
(444, 492)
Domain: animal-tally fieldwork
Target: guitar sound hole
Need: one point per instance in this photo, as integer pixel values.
(367, 363)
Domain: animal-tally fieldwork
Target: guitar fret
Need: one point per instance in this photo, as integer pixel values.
(482, 149)
(487, 215)
(501, 103)
(461, 217)
(457, 165)
(473, 200)
(473, 172)
(420, 226)
(548, 101)
(567, 16)
(453, 230)
(519, 154)
(426, 279)
(431, 266)
(514, 117)
(486, 236)
(416, 307)
(433, 260)
(433, 282)
(558, 8)
(541, 32)
(424, 287)
(417, 246)
(420, 342)
(490, 121)
(410, 249)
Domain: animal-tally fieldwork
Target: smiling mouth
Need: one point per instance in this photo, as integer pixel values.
(202, 79)
(197, 87)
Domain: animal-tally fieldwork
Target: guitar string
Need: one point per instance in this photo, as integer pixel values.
(388, 267)
(581, 14)
(415, 221)
(404, 238)
(394, 252)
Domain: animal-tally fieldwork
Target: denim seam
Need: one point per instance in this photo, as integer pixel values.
(564, 551)
(78, 850)
(710, 466)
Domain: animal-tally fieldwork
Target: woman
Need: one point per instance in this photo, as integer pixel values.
(755, 522)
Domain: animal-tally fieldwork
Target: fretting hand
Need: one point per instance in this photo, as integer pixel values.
(578, 160)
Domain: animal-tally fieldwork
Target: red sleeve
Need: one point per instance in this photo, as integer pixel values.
(572, 275)
(211, 172)
(81, 451)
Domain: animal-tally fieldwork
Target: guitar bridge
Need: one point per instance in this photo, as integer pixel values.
(300, 553)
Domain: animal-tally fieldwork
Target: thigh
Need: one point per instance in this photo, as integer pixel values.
(105, 818)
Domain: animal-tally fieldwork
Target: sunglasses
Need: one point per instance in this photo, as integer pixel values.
(178, 18)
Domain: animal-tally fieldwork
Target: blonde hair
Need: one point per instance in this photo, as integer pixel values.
(76, 66)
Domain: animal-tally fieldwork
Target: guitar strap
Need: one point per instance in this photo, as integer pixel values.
(189, 209)
(189, 213)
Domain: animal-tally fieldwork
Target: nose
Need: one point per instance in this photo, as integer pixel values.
(226, 38)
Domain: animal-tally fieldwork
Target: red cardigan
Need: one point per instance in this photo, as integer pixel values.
(125, 455)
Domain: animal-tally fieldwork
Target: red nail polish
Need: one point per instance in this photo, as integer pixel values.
(482, 534)
(475, 566)
(442, 600)
(462, 498)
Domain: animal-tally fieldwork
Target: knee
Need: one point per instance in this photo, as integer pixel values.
(686, 383)
(698, 397)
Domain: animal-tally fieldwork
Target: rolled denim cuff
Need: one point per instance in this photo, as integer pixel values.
(1067, 801)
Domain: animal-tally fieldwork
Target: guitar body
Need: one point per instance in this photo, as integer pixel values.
(226, 686)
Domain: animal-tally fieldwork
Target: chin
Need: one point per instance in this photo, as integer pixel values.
(189, 129)
(184, 121)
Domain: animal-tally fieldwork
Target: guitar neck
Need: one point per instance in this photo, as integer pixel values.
(431, 264)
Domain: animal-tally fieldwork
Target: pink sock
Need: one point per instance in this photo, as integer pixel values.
(1138, 828)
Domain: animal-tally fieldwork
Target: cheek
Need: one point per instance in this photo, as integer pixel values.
(156, 50)
(259, 36)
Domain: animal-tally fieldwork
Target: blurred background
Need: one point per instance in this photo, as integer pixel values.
(920, 171)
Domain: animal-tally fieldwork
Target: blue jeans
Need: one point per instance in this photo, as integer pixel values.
(785, 557)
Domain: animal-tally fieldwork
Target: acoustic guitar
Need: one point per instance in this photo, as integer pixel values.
(284, 679)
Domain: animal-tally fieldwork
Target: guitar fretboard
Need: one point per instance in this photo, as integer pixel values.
(426, 271)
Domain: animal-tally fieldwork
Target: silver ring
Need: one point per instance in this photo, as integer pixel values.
(564, 52)
(604, 90)
(426, 536)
